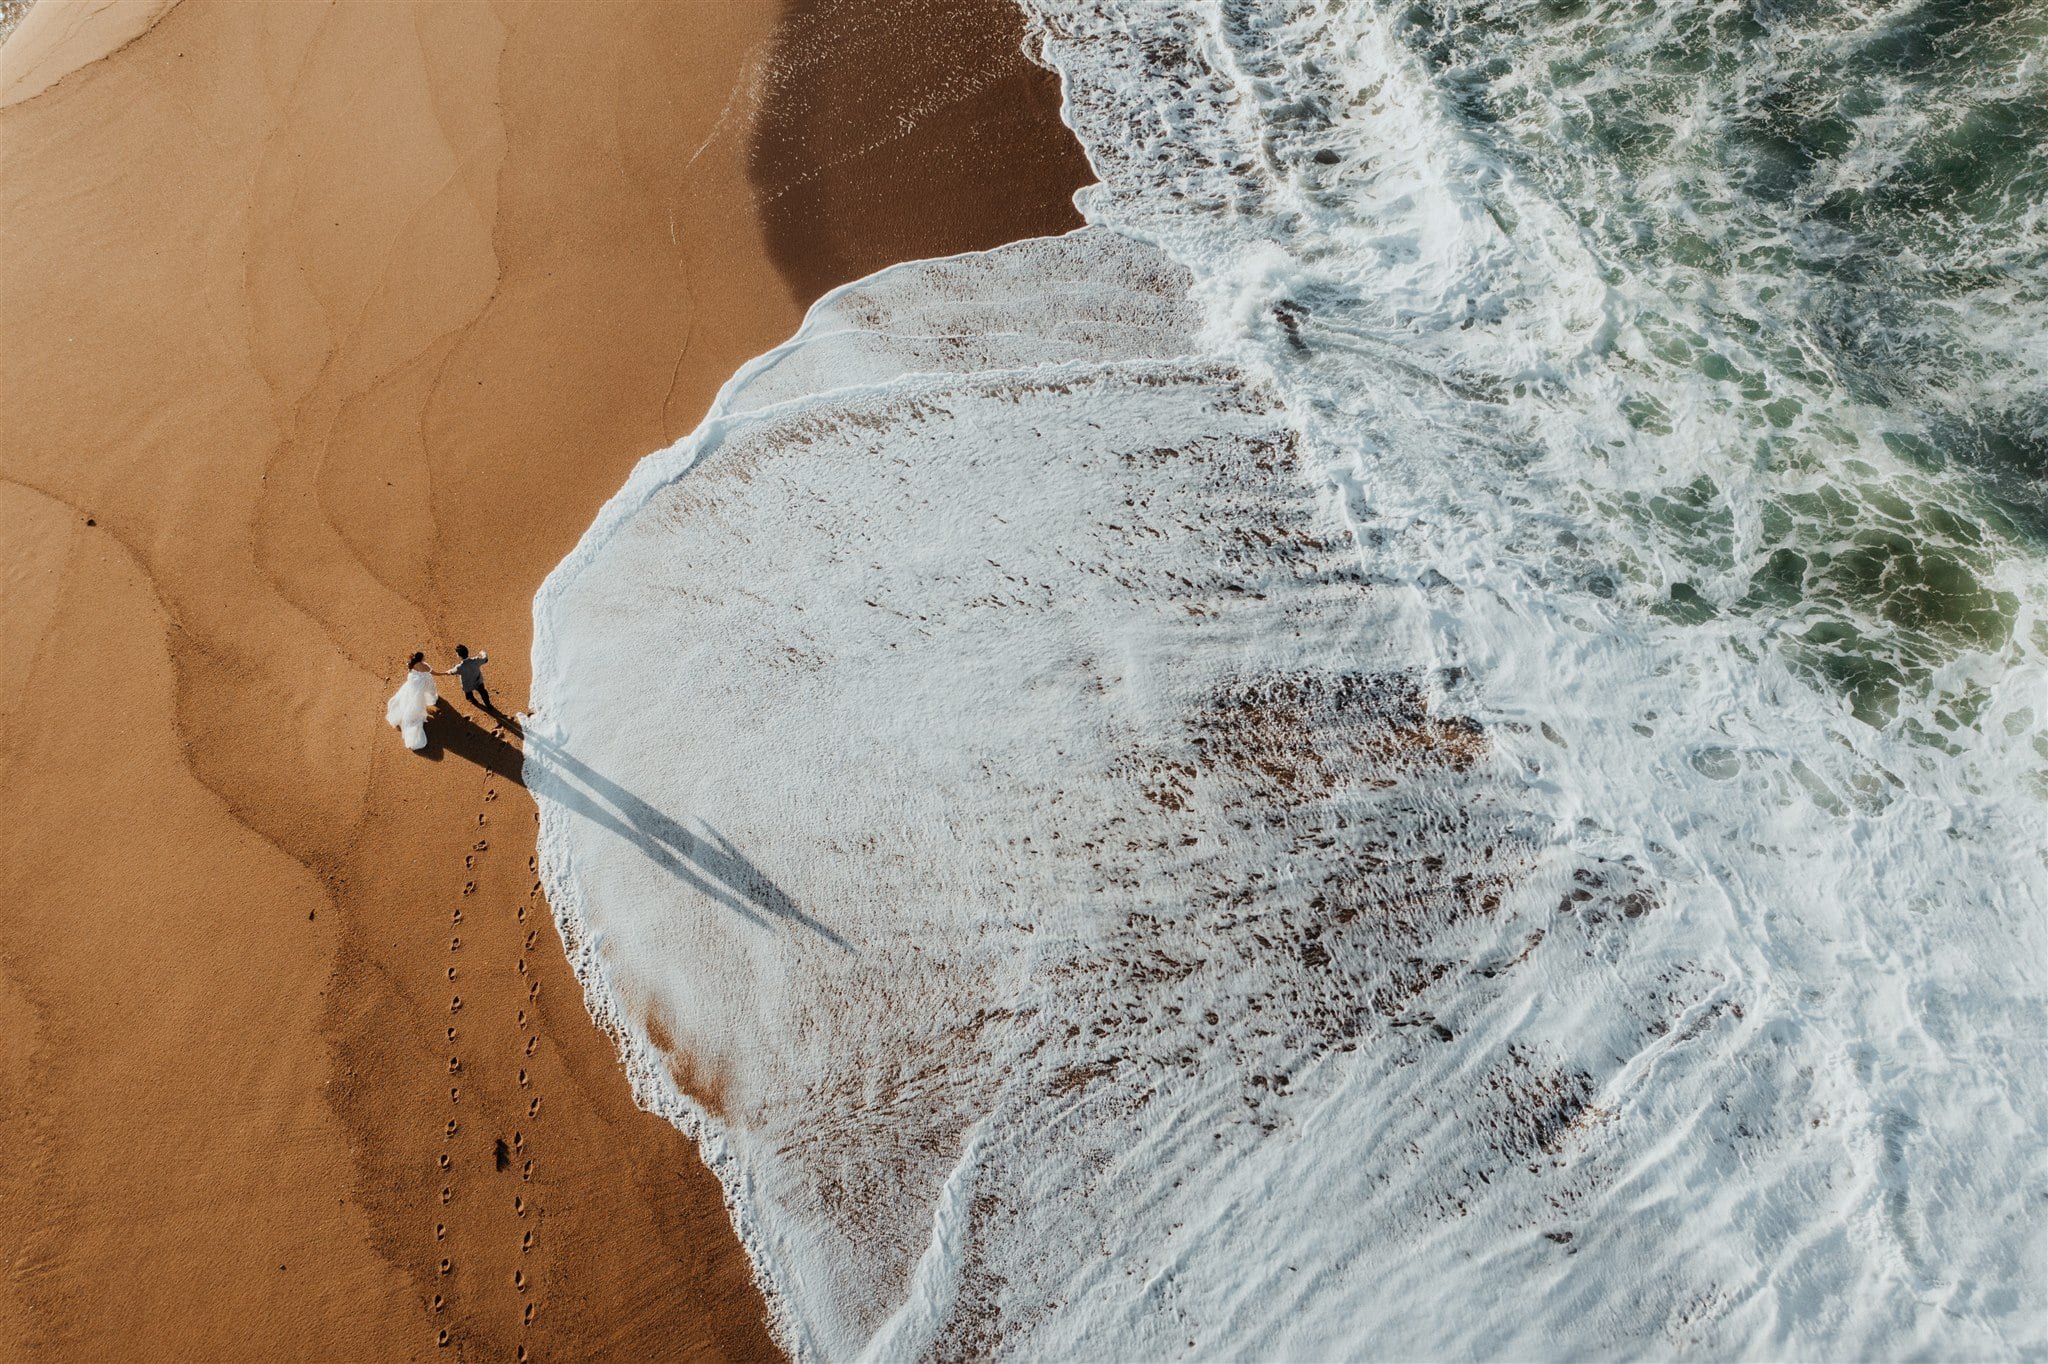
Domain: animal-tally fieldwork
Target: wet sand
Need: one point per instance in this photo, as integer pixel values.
(324, 330)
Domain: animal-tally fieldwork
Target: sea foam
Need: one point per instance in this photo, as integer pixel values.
(1220, 787)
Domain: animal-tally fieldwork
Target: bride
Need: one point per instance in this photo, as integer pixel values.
(409, 707)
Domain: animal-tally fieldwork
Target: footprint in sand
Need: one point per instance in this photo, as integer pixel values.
(533, 990)
(455, 1005)
(443, 1160)
(522, 914)
(526, 1243)
(456, 917)
(519, 1141)
(451, 1130)
(454, 1064)
(455, 944)
(438, 1304)
(533, 1109)
(454, 1095)
(526, 1317)
(531, 1043)
(447, 1265)
(481, 844)
(451, 1034)
(451, 973)
(535, 890)
(440, 1234)
(522, 966)
(441, 1338)
(533, 863)
(491, 794)
(518, 1206)
(531, 934)
(519, 1355)
(523, 1081)
(447, 1193)
(480, 821)
(469, 862)
(526, 1170)
(522, 1018)
(519, 1279)
(469, 887)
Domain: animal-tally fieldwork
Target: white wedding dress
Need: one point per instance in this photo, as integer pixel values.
(408, 708)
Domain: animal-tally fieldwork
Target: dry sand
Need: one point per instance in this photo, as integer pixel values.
(324, 330)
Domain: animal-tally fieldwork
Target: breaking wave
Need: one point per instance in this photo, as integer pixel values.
(1425, 741)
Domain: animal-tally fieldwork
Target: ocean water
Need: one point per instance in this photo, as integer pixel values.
(1426, 741)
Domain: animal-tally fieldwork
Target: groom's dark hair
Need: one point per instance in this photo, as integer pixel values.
(462, 651)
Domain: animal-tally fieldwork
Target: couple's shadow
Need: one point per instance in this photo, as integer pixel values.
(711, 865)
(452, 731)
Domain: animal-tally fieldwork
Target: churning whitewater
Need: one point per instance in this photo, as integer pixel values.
(1425, 741)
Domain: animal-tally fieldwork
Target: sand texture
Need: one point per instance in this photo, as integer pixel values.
(43, 48)
(324, 331)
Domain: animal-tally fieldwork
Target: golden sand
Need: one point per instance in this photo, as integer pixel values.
(324, 330)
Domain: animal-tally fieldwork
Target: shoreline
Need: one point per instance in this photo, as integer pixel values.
(360, 362)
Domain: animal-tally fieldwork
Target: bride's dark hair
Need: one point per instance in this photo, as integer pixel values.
(414, 659)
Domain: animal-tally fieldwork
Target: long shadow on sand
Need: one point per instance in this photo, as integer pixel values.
(451, 731)
(711, 866)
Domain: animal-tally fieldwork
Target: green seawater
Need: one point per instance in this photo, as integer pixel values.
(1832, 223)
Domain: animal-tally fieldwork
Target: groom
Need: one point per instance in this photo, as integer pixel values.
(471, 671)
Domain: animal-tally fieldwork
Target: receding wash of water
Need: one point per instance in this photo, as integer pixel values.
(1425, 741)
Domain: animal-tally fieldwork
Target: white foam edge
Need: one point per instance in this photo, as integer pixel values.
(646, 1067)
